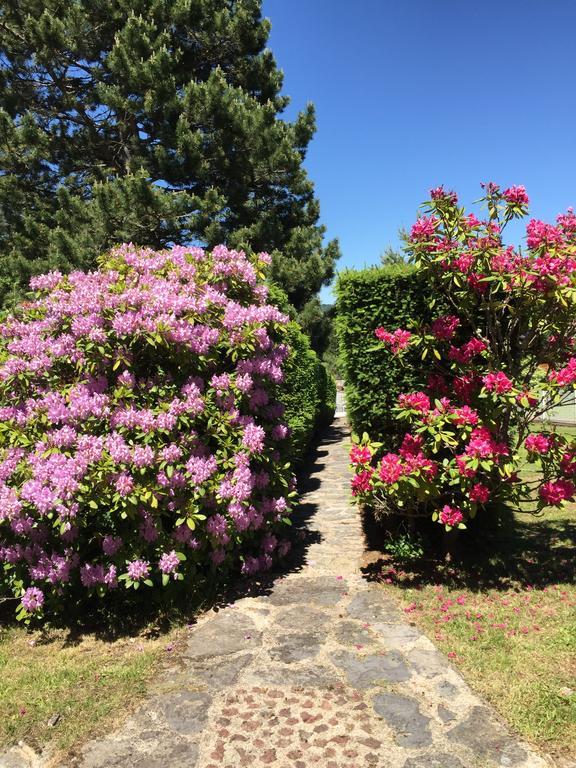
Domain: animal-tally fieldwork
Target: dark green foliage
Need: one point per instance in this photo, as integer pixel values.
(308, 393)
(317, 323)
(331, 356)
(389, 296)
(151, 121)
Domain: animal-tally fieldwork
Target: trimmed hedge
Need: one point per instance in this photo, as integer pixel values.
(390, 296)
(308, 391)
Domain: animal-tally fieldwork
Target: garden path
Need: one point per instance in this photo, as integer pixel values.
(319, 670)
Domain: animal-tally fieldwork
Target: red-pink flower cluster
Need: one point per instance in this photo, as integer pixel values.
(556, 491)
(465, 416)
(516, 196)
(542, 235)
(398, 340)
(497, 382)
(415, 401)
(445, 327)
(391, 468)
(362, 482)
(565, 376)
(568, 463)
(479, 493)
(467, 352)
(424, 228)
(439, 193)
(410, 459)
(360, 454)
(538, 443)
(451, 515)
(483, 445)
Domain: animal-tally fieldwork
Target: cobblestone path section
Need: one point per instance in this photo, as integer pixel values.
(322, 672)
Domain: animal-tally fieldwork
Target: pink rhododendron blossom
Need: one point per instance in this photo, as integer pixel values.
(540, 234)
(445, 327)
(111, 545)
(556, 491)
(147, 389)
(450, 515)
(398, 340)
(417, 401)
(467, 352)
(33, 599)
(391, 469)
(565, 376)
(138, 569)
(169, 562)
(479, 493)
(362, 482)
(360, 454)
(476, 281)
(482, 444)
(516, 195)
(124, 484)
(253, 438)
(497, 382)
(424, 228)
(465, 386)
(538, 443)
(465, 416)
(411, 445)
(439, 193)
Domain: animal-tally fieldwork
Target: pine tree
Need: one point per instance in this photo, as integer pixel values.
(151, 121)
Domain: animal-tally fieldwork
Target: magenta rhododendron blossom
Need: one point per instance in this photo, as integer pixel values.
(501, 359)
(362, 482)
(398, 340)
(450, 515)
(554, 492)
(516, 195)
(445, 327)
(141, 425)
(391, 468)
(479, 493)
(538, 443)
(360, 454)
(417, 401)
(497, 382)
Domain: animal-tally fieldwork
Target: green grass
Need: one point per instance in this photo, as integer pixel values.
(506, 614)
(89, 682)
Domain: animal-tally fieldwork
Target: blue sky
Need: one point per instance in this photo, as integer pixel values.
(413, 93)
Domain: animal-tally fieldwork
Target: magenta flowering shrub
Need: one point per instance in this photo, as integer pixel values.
(139, 442)
(502, 357)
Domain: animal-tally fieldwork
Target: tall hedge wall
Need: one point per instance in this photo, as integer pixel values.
(308, 391)
(388, 296)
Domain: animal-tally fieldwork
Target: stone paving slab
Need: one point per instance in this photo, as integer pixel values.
(322, 672)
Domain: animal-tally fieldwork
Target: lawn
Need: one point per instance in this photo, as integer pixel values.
(506, 616)
(60, 689)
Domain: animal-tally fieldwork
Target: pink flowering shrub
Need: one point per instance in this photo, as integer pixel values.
(502, 357)
(139, 440)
